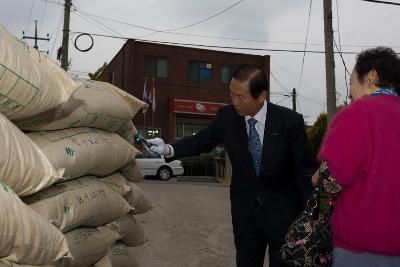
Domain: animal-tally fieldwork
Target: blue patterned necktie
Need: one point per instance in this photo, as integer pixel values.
(254, 145)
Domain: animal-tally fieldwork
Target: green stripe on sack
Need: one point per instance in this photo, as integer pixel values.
(6, 188)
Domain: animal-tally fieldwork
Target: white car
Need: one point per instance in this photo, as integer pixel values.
(154, 164)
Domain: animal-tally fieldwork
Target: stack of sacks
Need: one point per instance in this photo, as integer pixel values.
(76, 207)
(96, 105)
(76, 134)
(29, 85)
(84, 151)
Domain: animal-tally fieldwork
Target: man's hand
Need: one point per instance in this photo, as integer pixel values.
(158, 146)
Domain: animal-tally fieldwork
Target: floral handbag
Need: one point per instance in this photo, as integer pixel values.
(306, 244)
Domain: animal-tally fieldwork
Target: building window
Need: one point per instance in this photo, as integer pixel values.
(200, 71)
(149, 132)
(187, 129)
(226, 74)
(156, 67)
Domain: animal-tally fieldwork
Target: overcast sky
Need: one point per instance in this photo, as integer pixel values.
(265, 24)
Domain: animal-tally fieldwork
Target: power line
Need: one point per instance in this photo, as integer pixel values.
(54, 2)
(382, 2)
(341, 56)
(279, 93)
(298, 105)
(198, 22)
(278, 82)
(310, 99)
(30, 15)
(282, 100)
(339, 49)
(212, 46)
(219, 37)
(58, 31)
(100, 23)
(206, 19)
(346, 71)
(293, 75)
(168, 30)
(338, 24)
(100, 26)
(305, 46)
(214, 37)
(226, 38)
(44, 10)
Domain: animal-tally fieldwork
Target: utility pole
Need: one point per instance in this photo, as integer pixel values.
(36, 38)
(329, 61)
(64, 53)
(294, 95)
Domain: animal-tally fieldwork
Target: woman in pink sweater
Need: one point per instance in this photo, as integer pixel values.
(362, 151)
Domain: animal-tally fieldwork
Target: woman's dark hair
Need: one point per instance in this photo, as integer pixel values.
(385, 62)
(255, 76)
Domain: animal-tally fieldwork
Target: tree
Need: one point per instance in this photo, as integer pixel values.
(97, 73)
(316, 133)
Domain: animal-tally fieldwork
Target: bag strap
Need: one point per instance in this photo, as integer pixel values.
(325, 177)
(329, 183)
(312, 202)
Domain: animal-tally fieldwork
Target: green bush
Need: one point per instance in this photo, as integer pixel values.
(315, 134)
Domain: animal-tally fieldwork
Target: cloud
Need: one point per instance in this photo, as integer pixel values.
(361, 23)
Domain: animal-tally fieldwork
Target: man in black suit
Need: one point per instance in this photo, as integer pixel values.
(271, 165)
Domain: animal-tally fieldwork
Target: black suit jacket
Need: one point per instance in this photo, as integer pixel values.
(284, 183)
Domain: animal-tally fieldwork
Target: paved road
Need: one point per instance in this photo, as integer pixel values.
(190, 225)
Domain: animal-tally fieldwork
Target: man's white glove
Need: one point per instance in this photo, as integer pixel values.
(158, 146)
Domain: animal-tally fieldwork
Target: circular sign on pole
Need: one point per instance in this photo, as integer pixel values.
(82, 35)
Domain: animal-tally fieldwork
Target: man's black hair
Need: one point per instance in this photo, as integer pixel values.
(255, 76)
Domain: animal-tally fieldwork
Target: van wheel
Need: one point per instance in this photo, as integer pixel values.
(164, 173)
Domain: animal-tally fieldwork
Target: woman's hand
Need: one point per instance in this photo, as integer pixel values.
(315, 177)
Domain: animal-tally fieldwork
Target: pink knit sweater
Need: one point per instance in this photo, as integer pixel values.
(362, 148)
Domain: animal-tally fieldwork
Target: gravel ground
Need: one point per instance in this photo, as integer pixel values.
(190, 225)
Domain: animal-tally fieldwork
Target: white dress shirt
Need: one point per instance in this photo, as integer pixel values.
(260, 125)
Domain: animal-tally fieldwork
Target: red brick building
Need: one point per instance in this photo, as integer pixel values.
(190, 84)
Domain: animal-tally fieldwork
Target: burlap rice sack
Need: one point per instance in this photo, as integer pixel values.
(84, 151)
(131, 231)
(118, 183)
(132, 172)
(30, 83)
(4, 263)
(88, 245)
(26, 237)
(119, 255)
(138, 200)
(96, 104)
(23, 166)
(127, 132)
(82, 202)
